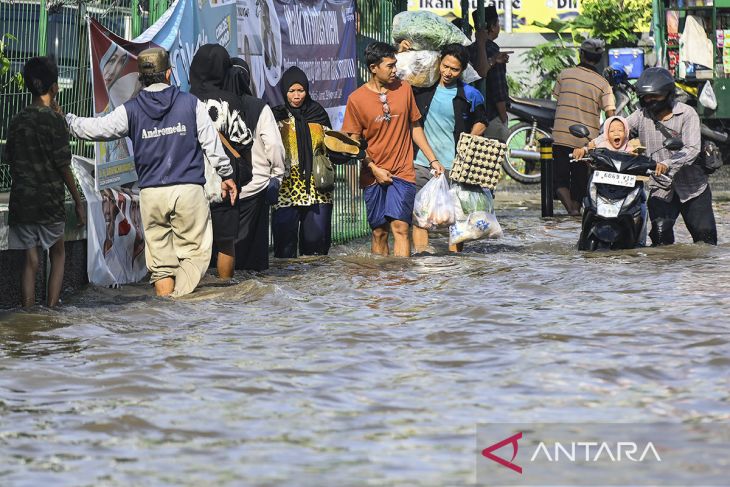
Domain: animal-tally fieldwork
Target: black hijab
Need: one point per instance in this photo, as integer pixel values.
(238, 78)
(309, 112)
(208, 70)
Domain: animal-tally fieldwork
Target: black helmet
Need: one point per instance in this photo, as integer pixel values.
(655, 81)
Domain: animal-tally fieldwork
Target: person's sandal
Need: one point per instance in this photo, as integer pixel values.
(338, 142)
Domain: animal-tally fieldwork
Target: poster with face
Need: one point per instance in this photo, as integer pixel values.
(114, 80)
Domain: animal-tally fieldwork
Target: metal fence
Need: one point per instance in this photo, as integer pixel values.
(58, 28)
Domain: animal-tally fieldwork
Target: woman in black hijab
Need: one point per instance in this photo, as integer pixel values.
(238, 78)
(267, 163)
(303, 215)
(208, 70)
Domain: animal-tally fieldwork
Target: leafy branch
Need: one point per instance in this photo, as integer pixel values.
(5, 66)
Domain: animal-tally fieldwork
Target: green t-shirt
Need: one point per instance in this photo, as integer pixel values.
(37, 150)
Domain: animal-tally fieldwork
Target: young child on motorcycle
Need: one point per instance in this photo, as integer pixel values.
(615, 136)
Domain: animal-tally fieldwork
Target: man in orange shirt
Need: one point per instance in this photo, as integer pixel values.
(383, 112)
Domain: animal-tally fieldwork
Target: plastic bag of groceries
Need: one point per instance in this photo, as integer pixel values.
(434, 206)
(421, 68)
(470, 75)
(418, 68)
(426, 31)
(475, 218)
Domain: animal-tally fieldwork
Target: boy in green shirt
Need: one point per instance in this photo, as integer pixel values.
(39, 156)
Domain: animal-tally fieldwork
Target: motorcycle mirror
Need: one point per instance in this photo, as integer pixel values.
(673, 144)
(579, 130)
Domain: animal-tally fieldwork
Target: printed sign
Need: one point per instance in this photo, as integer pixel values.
(318, 37)
(524, 12)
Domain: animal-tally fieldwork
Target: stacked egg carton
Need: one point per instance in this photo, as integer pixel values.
(478, 161)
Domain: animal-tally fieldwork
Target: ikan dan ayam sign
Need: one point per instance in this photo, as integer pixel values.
(524, 12)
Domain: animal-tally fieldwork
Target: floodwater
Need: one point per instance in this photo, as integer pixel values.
(355, 370)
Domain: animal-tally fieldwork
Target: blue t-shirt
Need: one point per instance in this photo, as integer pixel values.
(439, 127)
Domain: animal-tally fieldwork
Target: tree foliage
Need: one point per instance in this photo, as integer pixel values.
(7, 81)
(618, 22)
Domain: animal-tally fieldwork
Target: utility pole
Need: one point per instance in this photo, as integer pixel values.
(508, 16)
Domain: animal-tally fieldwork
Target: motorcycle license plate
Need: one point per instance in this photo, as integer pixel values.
(614, 178)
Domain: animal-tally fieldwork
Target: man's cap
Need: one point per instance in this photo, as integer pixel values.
(593, 46)
(153, 60)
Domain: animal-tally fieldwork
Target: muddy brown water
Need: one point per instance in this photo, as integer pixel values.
(353, 370)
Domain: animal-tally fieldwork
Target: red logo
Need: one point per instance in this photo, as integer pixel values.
(487, 452)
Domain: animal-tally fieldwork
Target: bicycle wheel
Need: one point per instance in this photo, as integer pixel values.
(522, 138)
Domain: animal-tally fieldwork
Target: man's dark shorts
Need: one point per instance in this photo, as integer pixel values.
(566, 174)
(385, 203)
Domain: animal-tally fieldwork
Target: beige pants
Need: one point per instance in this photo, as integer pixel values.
(178, 234)
(497, 130)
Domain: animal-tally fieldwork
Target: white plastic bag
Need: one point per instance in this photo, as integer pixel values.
(475, 217)
(418, 68)
(434, 206)
(213, 182)
(470, 75)
(421, 69)
(707, 97)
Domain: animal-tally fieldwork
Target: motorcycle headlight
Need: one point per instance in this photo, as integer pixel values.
(608, 208)
(594, 193)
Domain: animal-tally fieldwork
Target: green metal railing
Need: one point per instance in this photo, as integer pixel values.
(376, 22)
(58, 28)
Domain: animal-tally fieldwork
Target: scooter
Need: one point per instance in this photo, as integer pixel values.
(615, 212)
(713, 130)
(623, 91)
(536, 117)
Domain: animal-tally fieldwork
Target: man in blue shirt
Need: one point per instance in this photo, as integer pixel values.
(448, 108)
(171, 131)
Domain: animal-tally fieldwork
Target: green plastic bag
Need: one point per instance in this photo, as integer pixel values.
(426, 31)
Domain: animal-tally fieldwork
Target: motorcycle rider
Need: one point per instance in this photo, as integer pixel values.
(680, 185)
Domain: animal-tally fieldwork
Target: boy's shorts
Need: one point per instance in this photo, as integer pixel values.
(423, 175)
(388, 202)
(30, 235)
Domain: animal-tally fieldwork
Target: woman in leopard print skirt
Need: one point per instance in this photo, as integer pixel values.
(303, 215)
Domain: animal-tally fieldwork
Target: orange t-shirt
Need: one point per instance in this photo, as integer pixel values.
(390, 144)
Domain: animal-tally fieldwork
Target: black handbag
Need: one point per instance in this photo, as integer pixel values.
(709, 159)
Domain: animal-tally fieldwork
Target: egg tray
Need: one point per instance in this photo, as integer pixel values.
(478, 161)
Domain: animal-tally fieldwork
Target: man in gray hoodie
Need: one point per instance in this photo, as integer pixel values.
(170, 131)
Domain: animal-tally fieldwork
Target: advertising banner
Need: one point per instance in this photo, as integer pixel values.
(318, 36)
(181, 30)
(115, 240)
